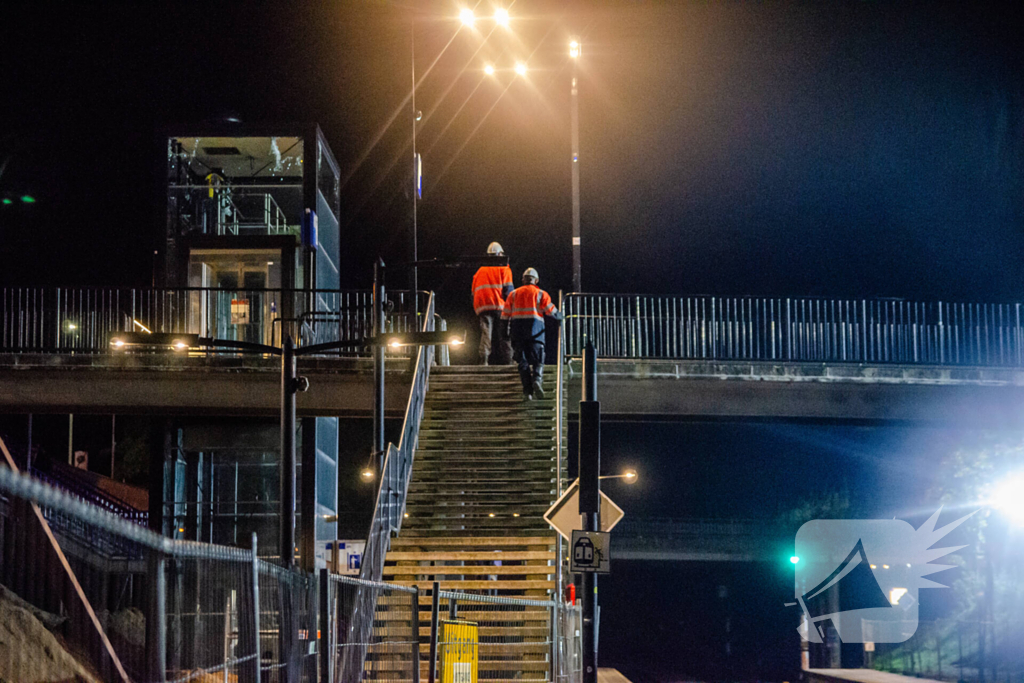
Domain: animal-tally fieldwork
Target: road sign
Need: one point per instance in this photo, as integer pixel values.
(565, 518)
(590, 552)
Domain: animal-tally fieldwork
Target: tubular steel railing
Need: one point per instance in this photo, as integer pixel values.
(391, 497)
(81, 320)
(795, 329)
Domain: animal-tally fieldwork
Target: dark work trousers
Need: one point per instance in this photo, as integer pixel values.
(494, 347)
(529, 355)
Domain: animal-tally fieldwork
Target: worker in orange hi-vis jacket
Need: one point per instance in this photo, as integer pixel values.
(525, 310)
(491, 286)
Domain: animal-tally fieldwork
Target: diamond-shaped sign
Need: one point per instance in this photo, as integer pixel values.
(564, 516)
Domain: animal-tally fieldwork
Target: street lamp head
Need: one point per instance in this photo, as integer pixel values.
(521, 68)
(489, 69)
(466, 17)
(630, 476)
(574, 48)
(368, 474)
(501, 17)
(1008, 500)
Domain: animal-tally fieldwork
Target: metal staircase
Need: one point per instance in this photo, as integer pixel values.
(485, 473)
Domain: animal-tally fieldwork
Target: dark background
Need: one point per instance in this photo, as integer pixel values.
(837, 149)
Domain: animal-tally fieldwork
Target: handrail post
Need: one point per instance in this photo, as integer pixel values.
(559, 573)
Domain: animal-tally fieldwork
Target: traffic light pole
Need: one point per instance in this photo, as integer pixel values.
(590, 502)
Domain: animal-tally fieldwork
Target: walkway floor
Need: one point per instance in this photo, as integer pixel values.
(862, 676)
(610, 676)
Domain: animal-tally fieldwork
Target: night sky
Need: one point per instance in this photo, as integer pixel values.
(786, 149)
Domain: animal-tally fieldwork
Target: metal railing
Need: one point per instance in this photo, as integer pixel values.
(81, 320)
(90, 596)
(795, 329)
(518, 638)
(397, 469)
(95, 597)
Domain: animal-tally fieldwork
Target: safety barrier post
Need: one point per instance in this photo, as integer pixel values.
(156, 627)
(434, 608)
(415, 620)
(325, 640)
(256, 610)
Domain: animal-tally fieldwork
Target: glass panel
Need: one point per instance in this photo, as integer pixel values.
(235, 185)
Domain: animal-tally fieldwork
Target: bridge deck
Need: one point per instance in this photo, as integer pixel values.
(628, 389)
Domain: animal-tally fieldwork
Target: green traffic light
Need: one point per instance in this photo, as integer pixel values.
(28, 199)
(794, 559)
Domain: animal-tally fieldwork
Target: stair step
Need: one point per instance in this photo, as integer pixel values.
(470, 556)
(483, 541)
(500, 584)
(421, 570)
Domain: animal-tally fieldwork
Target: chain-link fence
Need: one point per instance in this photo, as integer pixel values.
(374, 630)
(88, 596)
(85, 595)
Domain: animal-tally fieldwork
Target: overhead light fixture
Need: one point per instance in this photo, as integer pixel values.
(368, 474)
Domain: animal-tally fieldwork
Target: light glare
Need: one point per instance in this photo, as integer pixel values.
(466, 17)
(895, 594)
(794, 559)
(574, 49)
(368, 474)
(501, 17)
(1008, 500)
(521, 68)
(488, 69)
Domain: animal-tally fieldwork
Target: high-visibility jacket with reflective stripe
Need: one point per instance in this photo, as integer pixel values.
(526, 308)
(491, 286)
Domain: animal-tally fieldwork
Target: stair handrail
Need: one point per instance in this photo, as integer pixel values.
(389, 509)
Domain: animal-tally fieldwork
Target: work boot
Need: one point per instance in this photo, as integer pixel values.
(538, 390)
(527, 396)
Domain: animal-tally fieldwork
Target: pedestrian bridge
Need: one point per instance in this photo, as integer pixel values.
(675, 358)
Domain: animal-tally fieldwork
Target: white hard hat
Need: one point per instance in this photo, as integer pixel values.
(495, 248)
(531, 273)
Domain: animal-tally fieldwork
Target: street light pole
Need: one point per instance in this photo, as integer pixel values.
(415, 176)
(574, 117)
(379, 316)
(590, 502)
(289, 385)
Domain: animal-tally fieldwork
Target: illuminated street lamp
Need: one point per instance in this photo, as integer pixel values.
(489, 69)
(1008, 499)
(501, 17)
(521, 68)
(575, 49)
(629, 475)
(466, 17)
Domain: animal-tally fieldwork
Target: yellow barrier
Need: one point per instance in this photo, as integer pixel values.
(459, 651)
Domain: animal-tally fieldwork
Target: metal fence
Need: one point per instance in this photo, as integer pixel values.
(86, 595)
(89, 596)
(81, 320)
(795, 329)
(949, 649)
(517, 638)
(389, 650)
